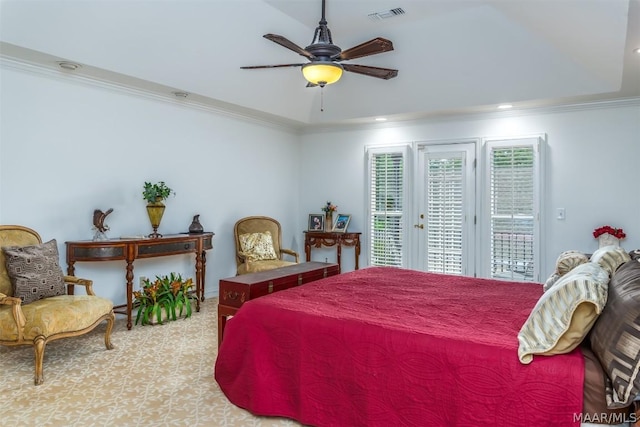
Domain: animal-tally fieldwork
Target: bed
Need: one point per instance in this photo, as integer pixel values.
(386, 346)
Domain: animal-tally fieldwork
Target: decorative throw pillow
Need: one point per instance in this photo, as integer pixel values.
(34, 271)
(550, 281)
(615, 337)
(258, 246)
(610, 258)
(568, 260)
(564, 314)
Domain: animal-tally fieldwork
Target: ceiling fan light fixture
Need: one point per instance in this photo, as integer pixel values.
(322, 73)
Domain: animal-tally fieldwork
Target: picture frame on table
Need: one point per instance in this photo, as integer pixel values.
(316, 222)
(342, 222)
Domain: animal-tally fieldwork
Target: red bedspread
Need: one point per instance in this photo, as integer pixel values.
(391, 347)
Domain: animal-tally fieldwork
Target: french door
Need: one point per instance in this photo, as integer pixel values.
(445, 216)
(434, 207)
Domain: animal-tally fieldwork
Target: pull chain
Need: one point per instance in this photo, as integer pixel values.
(322, 98)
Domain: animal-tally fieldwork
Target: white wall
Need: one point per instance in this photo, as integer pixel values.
(67, 148)
(592, 164)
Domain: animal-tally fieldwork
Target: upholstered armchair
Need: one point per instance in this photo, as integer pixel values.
(29, 274)
(259, 245)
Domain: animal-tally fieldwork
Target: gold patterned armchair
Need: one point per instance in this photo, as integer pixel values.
(29, 274)
(259, 245)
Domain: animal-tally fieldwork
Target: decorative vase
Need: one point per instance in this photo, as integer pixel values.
(607, 239)
(328, 221)
(195, 226)
(155, 211)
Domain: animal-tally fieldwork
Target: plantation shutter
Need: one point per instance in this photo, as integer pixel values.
(387, 175)
(444, 216)
(513, 203)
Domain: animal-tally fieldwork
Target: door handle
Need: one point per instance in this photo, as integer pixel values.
(420, 226)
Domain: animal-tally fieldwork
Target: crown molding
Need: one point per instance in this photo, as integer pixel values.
(75, 77)
(469, 116)
(297, 128)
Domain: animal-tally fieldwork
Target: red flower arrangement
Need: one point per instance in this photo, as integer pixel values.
(615, 232)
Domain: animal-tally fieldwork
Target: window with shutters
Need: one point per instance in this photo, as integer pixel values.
(387, 201)
(512, 197)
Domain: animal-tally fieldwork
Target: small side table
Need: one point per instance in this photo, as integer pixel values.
(317, 239)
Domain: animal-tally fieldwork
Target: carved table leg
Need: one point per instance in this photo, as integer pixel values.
(204, 274)
(198, 279)
(129, 277)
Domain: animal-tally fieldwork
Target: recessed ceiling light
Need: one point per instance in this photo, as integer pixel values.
(505, 106)
(636, 50)
(381, 119)
(71, 66)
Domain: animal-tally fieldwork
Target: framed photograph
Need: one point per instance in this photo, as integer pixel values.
(316, 222)
(342, 222)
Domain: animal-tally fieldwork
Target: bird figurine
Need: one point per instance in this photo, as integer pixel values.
(98, 219)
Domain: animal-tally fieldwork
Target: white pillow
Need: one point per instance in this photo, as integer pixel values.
(565, 313)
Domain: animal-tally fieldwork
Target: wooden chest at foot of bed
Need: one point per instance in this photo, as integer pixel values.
(235, 291)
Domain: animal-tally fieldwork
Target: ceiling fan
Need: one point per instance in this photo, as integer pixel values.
(325, 58)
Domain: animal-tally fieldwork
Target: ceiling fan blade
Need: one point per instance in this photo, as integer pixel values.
(372, 47)
(283, 41)
(253, 67)
(381, 73)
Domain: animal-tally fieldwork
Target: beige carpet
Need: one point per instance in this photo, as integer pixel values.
(156, 376)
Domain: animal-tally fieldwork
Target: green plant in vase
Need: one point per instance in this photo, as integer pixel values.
(155, 194)
(167, 297)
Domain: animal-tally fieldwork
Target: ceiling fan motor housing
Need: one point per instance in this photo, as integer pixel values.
(323, 51)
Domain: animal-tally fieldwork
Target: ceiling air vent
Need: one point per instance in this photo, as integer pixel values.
(377, 16)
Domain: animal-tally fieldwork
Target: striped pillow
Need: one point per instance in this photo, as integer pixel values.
(565, 313)
(610, 258)
(550, 281)
(568, 260)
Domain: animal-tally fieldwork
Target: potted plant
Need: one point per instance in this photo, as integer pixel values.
(158, 192)
(166, 298)
(154, 194)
